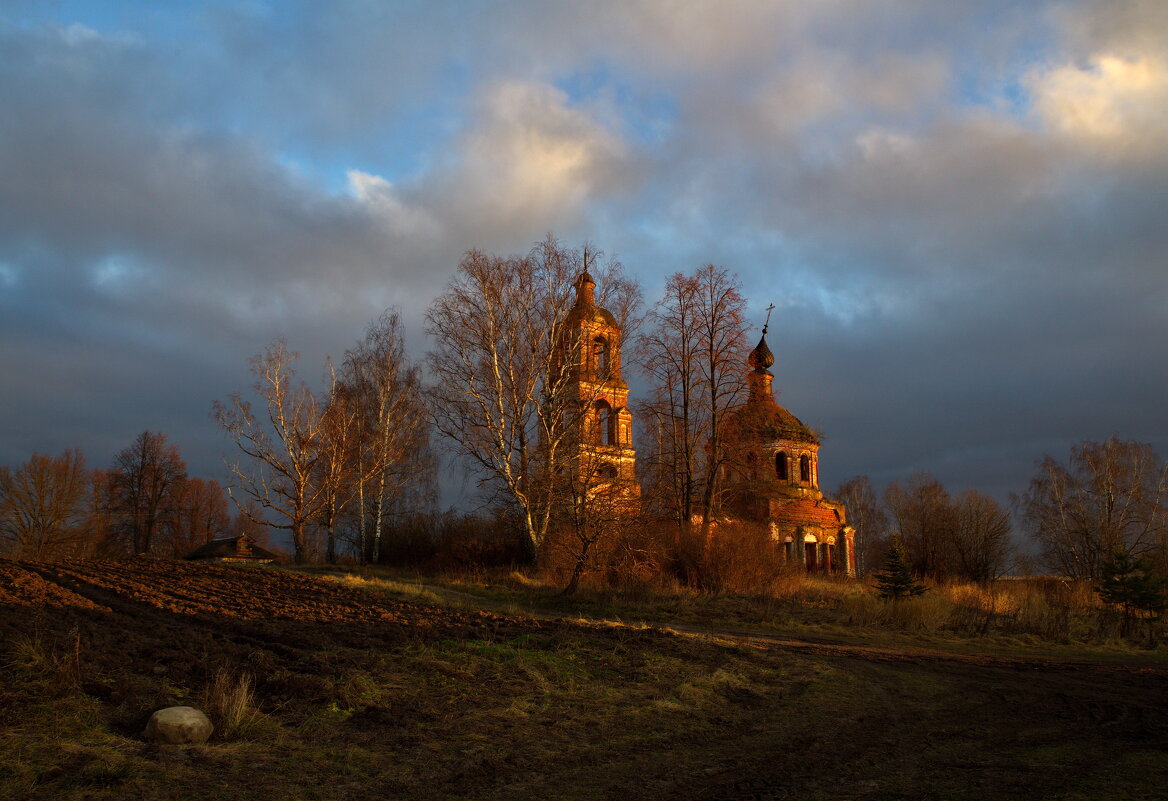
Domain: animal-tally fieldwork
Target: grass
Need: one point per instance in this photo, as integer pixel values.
(535, 715)
(1062, 619)
(594, 712)
(405, 590)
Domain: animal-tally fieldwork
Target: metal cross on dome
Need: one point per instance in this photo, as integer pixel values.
(770, 308)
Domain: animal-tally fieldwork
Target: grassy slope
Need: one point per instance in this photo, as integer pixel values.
(832, 611)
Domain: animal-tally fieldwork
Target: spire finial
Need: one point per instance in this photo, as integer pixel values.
(770, 308)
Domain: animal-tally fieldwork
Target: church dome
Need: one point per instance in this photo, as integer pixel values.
(761, 357)
(769, 422)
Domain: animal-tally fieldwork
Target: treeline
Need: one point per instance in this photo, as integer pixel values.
(54, 507)
(1108, 500)
(945, 537)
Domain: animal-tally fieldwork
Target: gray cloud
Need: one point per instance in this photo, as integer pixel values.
(959, 213)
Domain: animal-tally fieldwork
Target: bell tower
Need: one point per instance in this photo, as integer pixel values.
(604, 445)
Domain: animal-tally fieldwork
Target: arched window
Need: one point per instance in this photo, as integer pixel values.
(605, 424)
(600, 356)
(781, 472)
(805, 469)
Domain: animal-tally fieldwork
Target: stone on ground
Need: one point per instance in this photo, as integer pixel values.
(178, 725)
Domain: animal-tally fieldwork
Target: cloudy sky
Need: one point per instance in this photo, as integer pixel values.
(960, 210)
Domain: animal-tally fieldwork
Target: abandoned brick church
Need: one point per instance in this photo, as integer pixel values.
(772, 473)
(772, 477)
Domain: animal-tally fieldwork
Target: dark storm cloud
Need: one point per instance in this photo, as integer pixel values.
(958, 211)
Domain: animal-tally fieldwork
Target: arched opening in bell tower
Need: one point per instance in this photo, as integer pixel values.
(601, 357)
(605, 424)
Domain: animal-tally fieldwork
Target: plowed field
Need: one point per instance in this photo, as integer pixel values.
(360, 695)
(177, 621)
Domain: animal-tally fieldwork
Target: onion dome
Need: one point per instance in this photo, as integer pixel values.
(761, 357)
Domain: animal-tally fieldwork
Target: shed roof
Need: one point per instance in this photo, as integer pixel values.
(241, 547)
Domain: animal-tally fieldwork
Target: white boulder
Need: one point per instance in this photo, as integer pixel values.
(178, 725)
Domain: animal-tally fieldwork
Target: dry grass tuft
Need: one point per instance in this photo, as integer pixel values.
(230, 703)
(57, 667)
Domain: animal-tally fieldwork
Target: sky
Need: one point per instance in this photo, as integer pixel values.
(959, 210)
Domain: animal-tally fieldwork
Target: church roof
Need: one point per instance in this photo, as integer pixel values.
(805, 511)
(761, 418)
(593, 313)
(770, 421)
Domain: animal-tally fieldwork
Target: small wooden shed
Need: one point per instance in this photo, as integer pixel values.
(233, 550)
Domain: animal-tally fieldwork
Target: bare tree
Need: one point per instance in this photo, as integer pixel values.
(145, 479)
(673, 425)
(503, 389)
(722, 343)
(390, 452)
(1111, 497)
(963, 537)
(981, 537)
(200, 515)
(42, 506)
(282, 448)
(924, 515)
(866, 514)
(335, 475)
(100, 523)
(694, 352)
(591, 507)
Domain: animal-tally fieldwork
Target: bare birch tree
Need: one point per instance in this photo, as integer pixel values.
(1112, 496)
(391, 447)
(721, 367)
(866, 514)
(672, 421)
(335, 476)
(282, 448)
(503, 370)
